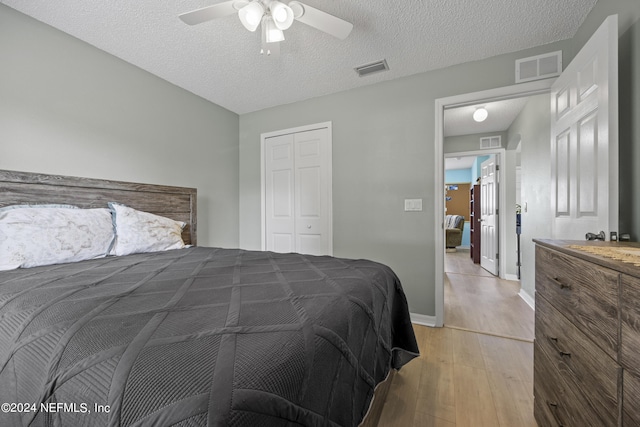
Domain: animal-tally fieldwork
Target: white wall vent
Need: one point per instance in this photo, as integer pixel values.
(539, 67)
(374, 67)
(490, 142)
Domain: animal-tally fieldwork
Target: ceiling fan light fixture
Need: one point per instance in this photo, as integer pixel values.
(480, 115)
(251, 15)
(282, 15)
(275, 17)
(272, 33)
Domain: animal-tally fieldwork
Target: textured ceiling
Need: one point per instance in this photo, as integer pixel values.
(220, 60)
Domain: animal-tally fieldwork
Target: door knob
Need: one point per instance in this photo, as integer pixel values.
(309, 227)
(592, 236)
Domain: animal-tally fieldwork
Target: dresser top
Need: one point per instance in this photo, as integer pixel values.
(620, 256)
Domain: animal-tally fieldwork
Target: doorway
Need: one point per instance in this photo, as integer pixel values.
(470, 99)
(480, 236)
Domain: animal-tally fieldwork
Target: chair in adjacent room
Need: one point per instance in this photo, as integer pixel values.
(453, 225)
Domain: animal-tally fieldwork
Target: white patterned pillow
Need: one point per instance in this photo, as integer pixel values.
(33, 235)
(138, 231)
(452, 221)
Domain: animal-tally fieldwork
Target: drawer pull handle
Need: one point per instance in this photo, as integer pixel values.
(560, 284)
(553, 341)
(554, 406)
(564, 353)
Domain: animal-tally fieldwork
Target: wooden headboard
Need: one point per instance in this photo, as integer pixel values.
(178, 203)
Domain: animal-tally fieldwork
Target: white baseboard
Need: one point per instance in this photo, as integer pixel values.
(423, 319)
(513, 277)
(531, 302)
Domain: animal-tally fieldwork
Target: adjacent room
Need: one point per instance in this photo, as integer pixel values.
(356, 213)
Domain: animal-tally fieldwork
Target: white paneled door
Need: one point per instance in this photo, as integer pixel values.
(584, 139)
(489, 215)
(297, 177)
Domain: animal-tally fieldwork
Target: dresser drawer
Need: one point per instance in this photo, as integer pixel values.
(630, 326)
(555, 404)
(631, 398)
(585, 293)
(585, 367)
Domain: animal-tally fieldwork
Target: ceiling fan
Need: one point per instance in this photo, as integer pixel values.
(274, 16)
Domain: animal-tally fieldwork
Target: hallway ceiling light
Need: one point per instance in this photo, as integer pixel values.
(480, 115)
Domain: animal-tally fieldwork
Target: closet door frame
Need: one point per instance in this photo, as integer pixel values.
(263, 201)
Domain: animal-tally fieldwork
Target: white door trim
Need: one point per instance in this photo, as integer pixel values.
(263, 216)
(523, 89)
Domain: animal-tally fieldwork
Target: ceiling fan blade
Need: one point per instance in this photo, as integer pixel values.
(208, 13)
(321, 20)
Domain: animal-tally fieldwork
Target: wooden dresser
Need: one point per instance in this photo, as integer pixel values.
(587, 337)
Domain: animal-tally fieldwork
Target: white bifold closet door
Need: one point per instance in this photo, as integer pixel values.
(298, 192)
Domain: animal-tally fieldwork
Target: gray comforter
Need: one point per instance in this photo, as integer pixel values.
(199, 336)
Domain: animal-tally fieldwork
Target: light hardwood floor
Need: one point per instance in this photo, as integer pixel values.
(477, 301)
(462, 377)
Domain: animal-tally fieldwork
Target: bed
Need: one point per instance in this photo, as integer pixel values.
(194, 336)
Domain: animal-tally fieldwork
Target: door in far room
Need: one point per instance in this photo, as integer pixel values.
(489, 215)
(297, 192)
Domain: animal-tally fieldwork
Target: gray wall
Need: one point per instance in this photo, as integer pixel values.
(68, 108)
(532, 126)
(379, 159)
(630, 130)
(629, 74)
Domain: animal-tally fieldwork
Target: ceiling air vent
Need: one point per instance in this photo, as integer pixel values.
(374, 67)
(539, 67)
